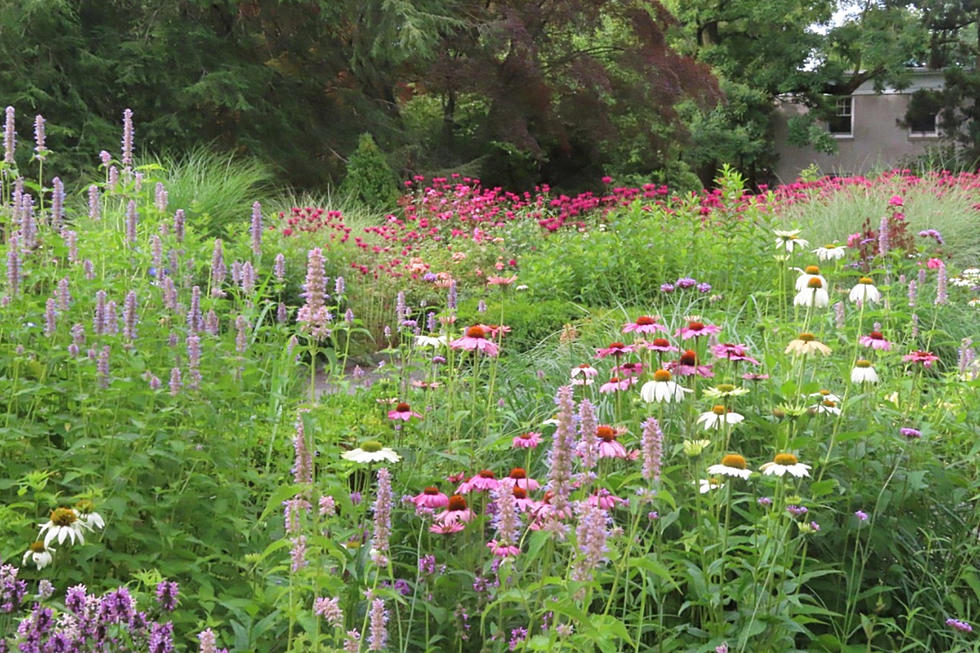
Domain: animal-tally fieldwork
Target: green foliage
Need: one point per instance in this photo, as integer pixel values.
(532, 320)
(370, 179)
(212, 188)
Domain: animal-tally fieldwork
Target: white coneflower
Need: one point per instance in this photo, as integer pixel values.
(865, 292)
(371, 452)
(830, 252)
(785, 463)
(789, 240)
(662, 389)
(717, 417)
(807, 343)
(733, 465)
(39, 553)
(706, 485)
(863, 372)
(64, 524)
(814, 294)
(809, 272)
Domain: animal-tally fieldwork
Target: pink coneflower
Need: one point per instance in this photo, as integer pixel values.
(403, 412)
(518, 478)
(875, 340)
(644, 324)
(528, 440)
(751, 376)
(456, 512)
(614, 349)
(484, 481)
(733, 352)
(919, 356)
(583, 374)
(475, 339)
(687, 365)
(430, 498)
(501, 281)
(447, 528)
(628, 369)
(617, 384)
(608, 446)
(605, 499)
(695, 329)
(658, 344)
(520, 497)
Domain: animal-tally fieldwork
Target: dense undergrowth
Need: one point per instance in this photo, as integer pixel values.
(314, 421)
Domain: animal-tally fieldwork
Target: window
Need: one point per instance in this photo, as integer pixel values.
(922, 115)
(841, 123)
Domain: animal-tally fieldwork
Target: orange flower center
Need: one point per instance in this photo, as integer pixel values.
(829, 404)
(785, 459)
(431, 491)
(696, 326)
(814, 283)
(661, 342)
(476, 332)
(37, 547)
(63, 517)
(402, 408)
(457, 502)
(734, 460)
(518, 472)
(866, 280)
(718, 410)
(661, 375)
(863, 363)
(689, 358)
(520, 493)
(645, 320)
(607, 433)
(812, 269)
(485, 473)
(614, 379)
(616, 345)
(806, 337)
(876, 335)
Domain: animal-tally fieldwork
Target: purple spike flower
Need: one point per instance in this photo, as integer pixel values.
(127, 140)
(256, 229)
(195, 320)
(339, 286)
(248, 277)
(313, 315)
(71, 244)
(303, 462)
(218, 269)
(194, 360)
(241, 337)
(591, 534)
(941, 293)
(111, 318)
(130, 317)
(132, 220)
(282, 313)
(179, 225)
(651, 445)
(57, 203)
(175, 383)
(99, 316)
(279, 267)
(211, 323)
(378, 636)
(103, 367)
(13, 267)
(298, 553)
(160, 197)
(9, 137)
(50, 318)
(589, 443)
(561, 453)
(382, 519)
(39, 137)
(167, 595)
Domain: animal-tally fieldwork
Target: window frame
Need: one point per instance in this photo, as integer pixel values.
(839, 112)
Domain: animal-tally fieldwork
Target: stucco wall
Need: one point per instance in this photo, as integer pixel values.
(878, 140)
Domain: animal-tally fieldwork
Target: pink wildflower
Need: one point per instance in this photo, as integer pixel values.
(528, 440)
(924, 357)
(475, 339)
(733, 352)
(484, 481)
(695, 329)
(644, 324)
(617, 384)
(614, 349)
(456, 512)
(430, 498)
(875, 340)
(518, 478)
(403, 412)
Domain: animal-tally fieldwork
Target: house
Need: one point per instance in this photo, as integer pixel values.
(869, 127)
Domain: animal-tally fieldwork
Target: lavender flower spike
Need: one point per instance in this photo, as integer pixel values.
(382, 519)
(127, 140)
(9, 137)
(256, 229)
(562, 452)
(39, 137)
(378, 636)
(652, 444)
(589, 444)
